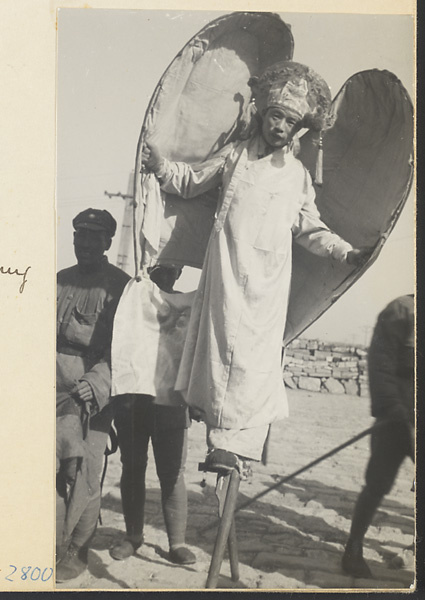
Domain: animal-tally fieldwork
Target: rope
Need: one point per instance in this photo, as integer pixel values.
(105, 466)
(108, 451)
(311, 464)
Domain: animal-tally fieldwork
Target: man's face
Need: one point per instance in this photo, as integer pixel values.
(279, 126)
(90, 246)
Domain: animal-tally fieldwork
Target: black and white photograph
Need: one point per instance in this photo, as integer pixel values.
(235, 345)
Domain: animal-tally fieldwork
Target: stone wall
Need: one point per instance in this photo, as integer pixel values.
(324, 367)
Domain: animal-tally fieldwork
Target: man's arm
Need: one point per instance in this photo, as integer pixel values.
(313, 234)
(385, 352)
(181, 178)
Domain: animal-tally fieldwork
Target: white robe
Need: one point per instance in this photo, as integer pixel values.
(231, 365)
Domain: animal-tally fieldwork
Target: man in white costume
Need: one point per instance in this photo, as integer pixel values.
(230, 372)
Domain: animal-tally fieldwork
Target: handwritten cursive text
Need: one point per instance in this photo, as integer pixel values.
(10, 271)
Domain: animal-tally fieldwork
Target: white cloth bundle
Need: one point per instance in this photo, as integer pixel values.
(148, 337)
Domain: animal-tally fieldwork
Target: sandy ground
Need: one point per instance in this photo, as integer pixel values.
(293, 537)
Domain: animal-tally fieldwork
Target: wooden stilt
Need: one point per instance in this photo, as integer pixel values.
(232, 546)
(227, 492)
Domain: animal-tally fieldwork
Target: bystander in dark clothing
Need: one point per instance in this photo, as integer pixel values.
(391, 381)
(137, 420)
(87, 296)
(164, 421)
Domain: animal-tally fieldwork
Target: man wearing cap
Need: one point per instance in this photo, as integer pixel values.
(230, 373)
(87, 296)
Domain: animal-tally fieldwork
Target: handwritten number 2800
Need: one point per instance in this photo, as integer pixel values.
(35, 574)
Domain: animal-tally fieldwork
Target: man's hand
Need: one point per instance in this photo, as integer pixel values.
(195, 414)
(151, 157)
(69, 470)
(359, 256)
(83, 391)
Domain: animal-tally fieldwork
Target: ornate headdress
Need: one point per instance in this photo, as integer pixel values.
(295, 86)
(298, 88)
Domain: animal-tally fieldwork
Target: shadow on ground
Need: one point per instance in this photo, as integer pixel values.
(298, 530)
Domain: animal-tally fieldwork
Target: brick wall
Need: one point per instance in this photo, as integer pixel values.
(324, 367)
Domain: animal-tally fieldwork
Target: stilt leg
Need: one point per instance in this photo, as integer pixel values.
(227, 492)
(232, 547)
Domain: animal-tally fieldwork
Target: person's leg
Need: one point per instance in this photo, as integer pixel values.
(247, 444)
(170, 451)
(75, 560)
(65, 479)
(133, 421)
(353, 562)
(60, 514)
(389, 446)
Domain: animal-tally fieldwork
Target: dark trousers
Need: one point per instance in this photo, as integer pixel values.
(76, 519)
(390, 444)
(138, 420)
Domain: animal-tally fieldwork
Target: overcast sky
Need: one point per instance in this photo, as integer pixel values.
(109, 62)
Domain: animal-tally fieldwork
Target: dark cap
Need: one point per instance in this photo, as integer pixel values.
(97, 220)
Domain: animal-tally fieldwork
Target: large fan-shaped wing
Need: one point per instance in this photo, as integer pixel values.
(367, 174)
(195, 109)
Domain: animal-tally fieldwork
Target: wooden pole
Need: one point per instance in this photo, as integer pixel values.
(226, 524)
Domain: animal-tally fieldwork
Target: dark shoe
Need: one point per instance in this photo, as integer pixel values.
(354, 564)
(219, 460)
(72, 564)
(405, 559)
(124, 549)
(182, 556)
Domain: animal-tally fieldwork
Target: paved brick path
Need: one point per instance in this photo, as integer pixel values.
(293, 537)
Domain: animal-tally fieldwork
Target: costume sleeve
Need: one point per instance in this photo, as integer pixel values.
(192, 180)
(387, 369)
(313, 234)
